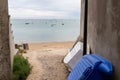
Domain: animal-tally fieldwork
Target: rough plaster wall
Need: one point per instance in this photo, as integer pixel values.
(4, 41)
(104, 30)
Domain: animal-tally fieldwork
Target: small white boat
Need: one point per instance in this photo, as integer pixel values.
(74, 55)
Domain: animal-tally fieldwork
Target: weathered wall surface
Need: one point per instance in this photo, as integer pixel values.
(104, 30)
(5, 68)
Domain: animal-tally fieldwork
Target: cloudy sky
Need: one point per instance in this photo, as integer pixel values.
(45, 9)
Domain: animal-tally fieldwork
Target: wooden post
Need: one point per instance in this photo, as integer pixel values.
(85, 28)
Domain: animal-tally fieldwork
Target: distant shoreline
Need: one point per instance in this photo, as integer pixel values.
(43, 19)
(39, 42)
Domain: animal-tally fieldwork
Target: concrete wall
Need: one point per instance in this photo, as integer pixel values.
(104, 30)
(5, 67)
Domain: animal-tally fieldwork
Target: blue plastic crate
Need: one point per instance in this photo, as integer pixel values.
(92, 67)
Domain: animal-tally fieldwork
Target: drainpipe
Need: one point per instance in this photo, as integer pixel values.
(85, 28)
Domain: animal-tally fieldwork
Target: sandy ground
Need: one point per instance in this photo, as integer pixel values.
(47, 60)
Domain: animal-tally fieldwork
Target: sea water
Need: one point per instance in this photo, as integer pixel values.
(45, 30)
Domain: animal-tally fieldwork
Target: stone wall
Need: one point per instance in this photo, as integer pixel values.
(104, 30)
(5, 67)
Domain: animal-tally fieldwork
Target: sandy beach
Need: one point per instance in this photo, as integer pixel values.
(47, 60)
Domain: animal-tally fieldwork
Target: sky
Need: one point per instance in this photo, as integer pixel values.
(44, 9)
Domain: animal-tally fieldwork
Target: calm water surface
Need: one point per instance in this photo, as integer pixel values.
(45, 30)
